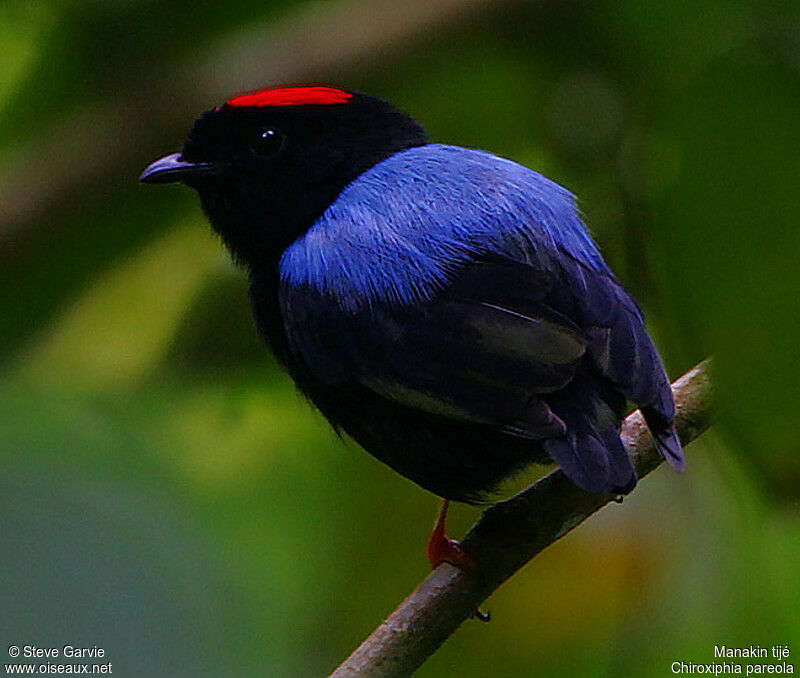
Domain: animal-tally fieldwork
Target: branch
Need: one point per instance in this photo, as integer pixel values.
(506, 537)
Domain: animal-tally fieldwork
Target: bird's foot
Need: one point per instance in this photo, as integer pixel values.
(444, 550)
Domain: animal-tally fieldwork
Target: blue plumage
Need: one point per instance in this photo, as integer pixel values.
(444, 307)
(399, 230)
(547, 344)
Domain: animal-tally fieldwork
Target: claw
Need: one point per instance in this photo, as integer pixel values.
(444, 550)
(484, 617)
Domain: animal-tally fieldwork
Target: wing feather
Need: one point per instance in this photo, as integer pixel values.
(464, 286)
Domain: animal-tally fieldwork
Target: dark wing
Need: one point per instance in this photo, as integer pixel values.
(464, 286)
(468, 354)
(544, 356)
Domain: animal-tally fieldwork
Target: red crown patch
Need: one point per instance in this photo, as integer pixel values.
(316, 95)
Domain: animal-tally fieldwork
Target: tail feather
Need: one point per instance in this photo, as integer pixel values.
(591, 454)
(594, 462)
(666, 438)
(623, 472)
(583, 459)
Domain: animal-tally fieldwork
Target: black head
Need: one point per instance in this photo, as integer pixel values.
(268, 164)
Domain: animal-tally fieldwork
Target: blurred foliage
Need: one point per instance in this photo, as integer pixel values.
(165, 493)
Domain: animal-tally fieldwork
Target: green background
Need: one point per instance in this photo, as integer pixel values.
(167, 495)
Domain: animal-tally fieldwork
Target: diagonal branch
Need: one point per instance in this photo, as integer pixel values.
(506, 537)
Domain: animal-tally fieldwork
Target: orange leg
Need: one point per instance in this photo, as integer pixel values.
(444, 550)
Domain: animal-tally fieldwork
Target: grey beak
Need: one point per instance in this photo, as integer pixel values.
(174, 168)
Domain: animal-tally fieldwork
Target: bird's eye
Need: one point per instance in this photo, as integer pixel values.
(269, 142)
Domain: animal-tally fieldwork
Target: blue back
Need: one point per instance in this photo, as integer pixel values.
(397, 232)
(360, 304)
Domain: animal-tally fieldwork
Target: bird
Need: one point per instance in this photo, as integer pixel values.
(444, 307)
